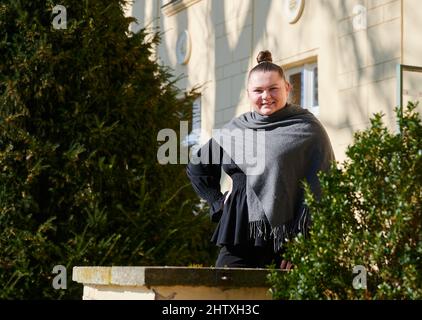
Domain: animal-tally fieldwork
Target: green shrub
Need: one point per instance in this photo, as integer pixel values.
(80, 109)
(370, 216)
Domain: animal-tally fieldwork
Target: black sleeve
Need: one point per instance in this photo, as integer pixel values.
(205, 177)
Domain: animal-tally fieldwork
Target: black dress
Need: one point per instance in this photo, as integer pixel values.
(238, 249)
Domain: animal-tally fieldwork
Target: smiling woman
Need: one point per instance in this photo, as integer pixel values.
(264, 208)
(267, 87)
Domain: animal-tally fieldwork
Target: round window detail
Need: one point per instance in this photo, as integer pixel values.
(183, 47)
(293, 9)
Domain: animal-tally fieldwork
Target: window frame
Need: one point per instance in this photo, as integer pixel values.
(308, 84)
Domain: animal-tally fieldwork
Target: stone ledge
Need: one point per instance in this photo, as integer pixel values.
(171, 276)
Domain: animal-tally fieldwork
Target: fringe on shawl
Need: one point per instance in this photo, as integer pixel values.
(283, 233)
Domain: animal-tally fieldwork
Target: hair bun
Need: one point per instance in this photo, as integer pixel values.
(264, 56)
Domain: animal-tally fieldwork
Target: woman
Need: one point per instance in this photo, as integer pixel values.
(265, 206)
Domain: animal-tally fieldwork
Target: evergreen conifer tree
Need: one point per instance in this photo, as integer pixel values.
(80, 110)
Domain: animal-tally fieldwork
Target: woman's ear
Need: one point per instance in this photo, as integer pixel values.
(288, 86)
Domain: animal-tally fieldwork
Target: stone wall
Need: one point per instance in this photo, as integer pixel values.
(172, 283)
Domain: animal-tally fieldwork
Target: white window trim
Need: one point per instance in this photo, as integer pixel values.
(172, 7)
(308, 83)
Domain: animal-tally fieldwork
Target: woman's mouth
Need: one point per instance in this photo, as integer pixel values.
(267, 104)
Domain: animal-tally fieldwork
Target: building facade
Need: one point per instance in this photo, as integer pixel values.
(341, 56)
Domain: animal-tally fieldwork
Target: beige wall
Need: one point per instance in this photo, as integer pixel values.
(356, 67)
(412, 35)
(366, 61)
(412, 50)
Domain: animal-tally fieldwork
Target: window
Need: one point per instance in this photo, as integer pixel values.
(194, 137)
(304, 81)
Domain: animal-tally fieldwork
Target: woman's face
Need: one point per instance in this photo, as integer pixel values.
(267, 92)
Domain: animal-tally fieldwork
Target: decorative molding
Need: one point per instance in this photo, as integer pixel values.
(300, 58)
(293, 10)
(174, 6)
(183, 47)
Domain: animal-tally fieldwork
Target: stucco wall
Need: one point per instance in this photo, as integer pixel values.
(412, 49)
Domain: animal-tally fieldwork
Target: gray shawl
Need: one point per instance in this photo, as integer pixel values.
(277, 153)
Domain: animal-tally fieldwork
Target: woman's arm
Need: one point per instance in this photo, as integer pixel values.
(205, 177)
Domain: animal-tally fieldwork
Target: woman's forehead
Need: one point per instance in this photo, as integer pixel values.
(260, 78)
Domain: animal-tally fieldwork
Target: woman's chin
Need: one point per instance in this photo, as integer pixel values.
(266, 111)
